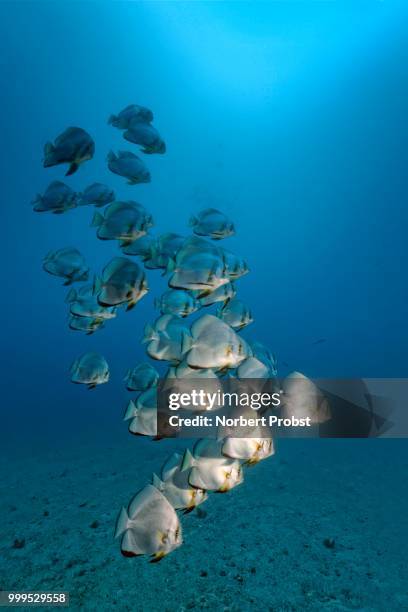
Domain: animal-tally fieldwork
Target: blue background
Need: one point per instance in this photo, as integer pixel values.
(290, 117)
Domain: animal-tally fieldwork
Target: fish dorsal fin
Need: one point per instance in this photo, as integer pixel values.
(71, 296)
(127, 155)
(186, 342)
(172, 462)
(211, 211)
(188, 461)
(203, 323)
(147, 496)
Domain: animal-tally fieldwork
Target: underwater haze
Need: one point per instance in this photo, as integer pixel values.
(290, 117)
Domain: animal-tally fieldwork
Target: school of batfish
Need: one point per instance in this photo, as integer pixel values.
(201, 274)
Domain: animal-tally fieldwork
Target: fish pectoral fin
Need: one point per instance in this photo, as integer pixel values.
(157, 557)
(91, 386)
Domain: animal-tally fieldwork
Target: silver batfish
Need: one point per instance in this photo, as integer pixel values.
(122, 282)
(90, 369)
(212, 223)
(147, 137)
(149, 526)
(175, 486)
(130, 115)
(68, 263)
(97, 195)
(124, 221)
(129, 166)
(74, 146)
(57, 198)
(209, 469)
(141, 377)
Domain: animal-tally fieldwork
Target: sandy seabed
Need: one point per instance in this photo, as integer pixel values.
(322, 525)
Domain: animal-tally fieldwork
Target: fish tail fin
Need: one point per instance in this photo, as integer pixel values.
(274, 364)
(157, 303)
(111, 119)
(186, 342)
(157, 482)
(72, 169)
(131, 411)
(48, 256)
(97, 285)
(97, 219)
(122, 523)
(152, 251)
(48, 154)
(192, 221)
(71, 296)
(171, 266)
(149, 334)
(48, 148)
(111, 156)
(188, 461)
(74, 366)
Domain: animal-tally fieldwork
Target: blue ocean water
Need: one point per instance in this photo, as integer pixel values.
(289, 116)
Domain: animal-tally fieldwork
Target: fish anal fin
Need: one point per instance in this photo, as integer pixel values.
(128, 553)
